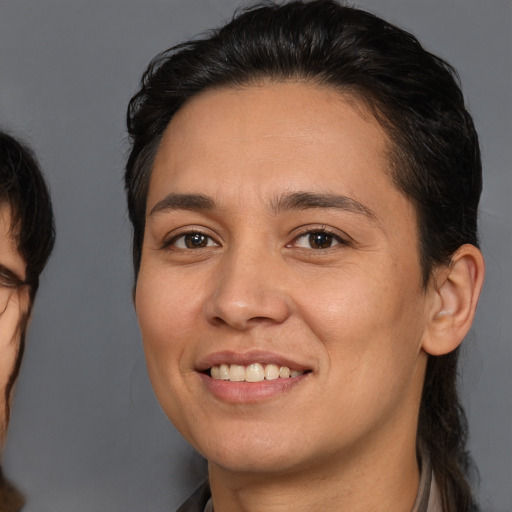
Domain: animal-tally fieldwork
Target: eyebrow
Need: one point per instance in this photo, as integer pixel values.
(183, 202)
(307, 200)
(293, 201)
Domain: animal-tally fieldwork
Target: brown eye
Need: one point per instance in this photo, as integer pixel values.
(193, 240)
(320, 240)
(317, 240)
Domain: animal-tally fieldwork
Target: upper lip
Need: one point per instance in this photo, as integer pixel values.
(247, 358)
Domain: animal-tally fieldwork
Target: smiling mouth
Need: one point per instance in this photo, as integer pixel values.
(255, 372)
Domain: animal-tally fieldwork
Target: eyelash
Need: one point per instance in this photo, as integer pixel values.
(333, 239)
(173, 241)
(310, 232)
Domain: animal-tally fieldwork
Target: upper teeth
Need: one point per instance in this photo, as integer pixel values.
(255, 372)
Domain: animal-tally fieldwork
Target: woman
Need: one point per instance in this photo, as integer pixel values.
(27, 236)
(303, 186)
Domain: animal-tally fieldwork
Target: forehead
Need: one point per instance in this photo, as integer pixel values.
(270, 137)
(275, 126)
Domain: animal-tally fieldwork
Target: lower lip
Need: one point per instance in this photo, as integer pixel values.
(249, 392)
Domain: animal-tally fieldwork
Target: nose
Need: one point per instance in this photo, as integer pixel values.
(248, 291)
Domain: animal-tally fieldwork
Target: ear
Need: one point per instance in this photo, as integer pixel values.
(457, 287)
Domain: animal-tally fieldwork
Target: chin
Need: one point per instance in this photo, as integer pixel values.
(244, 463)
(252, 452)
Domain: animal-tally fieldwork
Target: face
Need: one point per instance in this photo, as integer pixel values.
(276, 247)
(11, 262)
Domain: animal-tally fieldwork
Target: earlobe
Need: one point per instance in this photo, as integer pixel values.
(456, 293)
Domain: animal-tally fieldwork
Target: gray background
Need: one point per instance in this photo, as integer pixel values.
(87, 433)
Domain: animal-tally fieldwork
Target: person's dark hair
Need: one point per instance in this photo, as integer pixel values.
(23, 188)
(433, 152)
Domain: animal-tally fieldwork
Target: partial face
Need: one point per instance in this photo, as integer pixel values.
(280, 295)
(12, 264)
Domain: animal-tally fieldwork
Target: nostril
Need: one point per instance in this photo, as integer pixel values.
(243, 302)
(242, 322)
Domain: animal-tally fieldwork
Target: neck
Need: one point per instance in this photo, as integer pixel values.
(378, 480)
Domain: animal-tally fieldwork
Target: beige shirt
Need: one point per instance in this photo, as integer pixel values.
(427, 499)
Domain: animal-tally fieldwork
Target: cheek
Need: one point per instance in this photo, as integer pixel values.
(9, 338)
(167, 311)
(9, 346)
(158, 319)
(370, 322)
(8, 351)
(164, 305)
(371, 356)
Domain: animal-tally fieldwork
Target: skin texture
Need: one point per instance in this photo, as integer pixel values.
(353, 314)
(10, 318)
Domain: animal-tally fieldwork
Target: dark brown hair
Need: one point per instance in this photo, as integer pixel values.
(434, 154)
